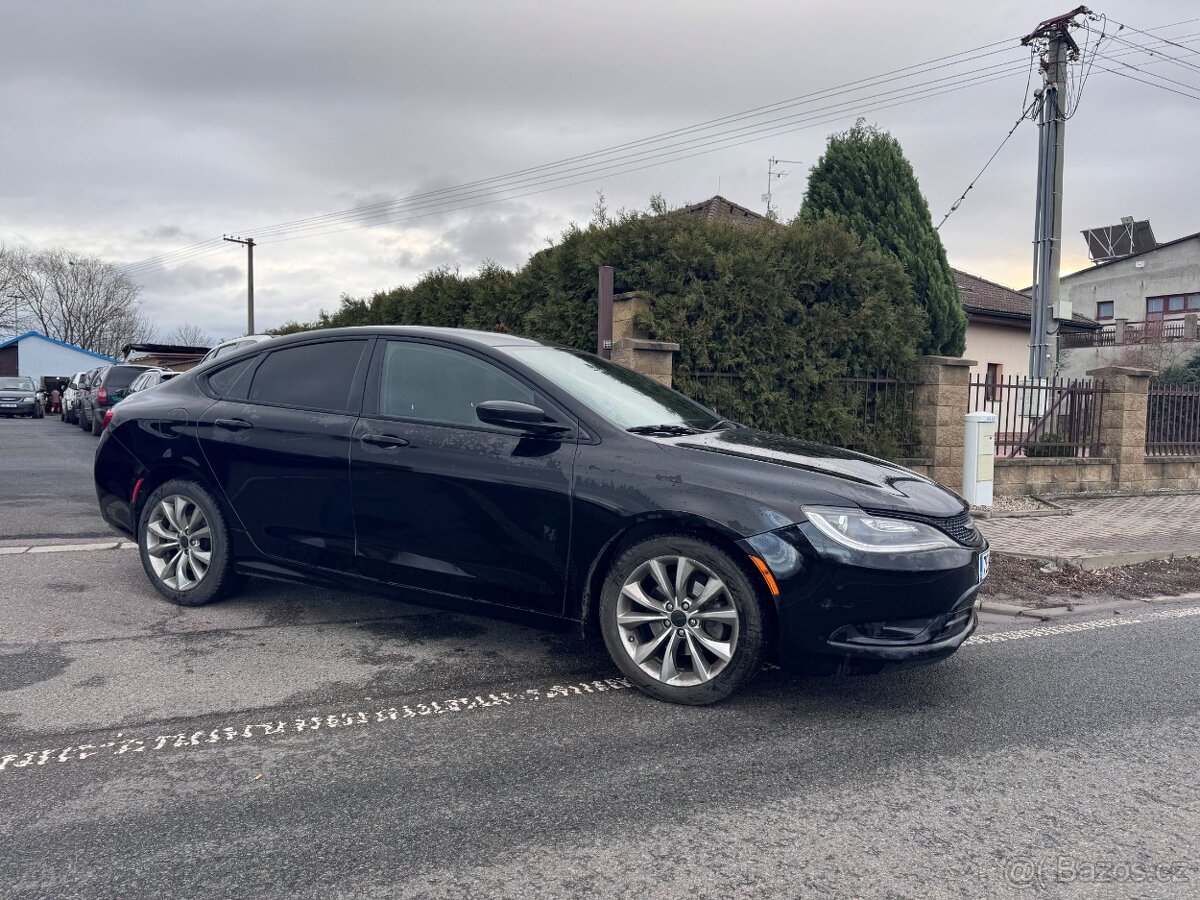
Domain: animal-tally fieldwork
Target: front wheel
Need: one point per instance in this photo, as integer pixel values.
(682, 620)
(185, 546)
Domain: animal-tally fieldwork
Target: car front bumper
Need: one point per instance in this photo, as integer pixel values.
(890, 609)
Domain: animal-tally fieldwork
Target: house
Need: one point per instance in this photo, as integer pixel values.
(36, 355)
(998, 326)
(175, 357)
(717, 209)
(1147, 303)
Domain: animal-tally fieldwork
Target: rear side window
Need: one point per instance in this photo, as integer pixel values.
(121, 377)
(312, 376)
(229, 382)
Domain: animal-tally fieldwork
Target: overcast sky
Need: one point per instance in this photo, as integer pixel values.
(134, 129)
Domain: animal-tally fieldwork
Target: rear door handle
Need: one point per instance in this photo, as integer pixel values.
(233, 424)
(383, 440)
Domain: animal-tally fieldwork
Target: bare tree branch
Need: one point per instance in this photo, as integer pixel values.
(81, 300)
(189, 334)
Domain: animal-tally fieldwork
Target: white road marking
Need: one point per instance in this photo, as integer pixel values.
(1072, 627)
(324, 723)
(69, 548)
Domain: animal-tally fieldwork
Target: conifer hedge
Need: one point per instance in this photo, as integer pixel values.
(767, 319)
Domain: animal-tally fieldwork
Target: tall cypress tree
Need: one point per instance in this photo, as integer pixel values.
(865, 179)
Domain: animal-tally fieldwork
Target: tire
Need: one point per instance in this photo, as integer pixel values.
(81, 419)
(96, 426)
(177, 501)
(658, 625)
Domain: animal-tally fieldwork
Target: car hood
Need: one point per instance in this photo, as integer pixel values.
(16, 393)
(816, 473)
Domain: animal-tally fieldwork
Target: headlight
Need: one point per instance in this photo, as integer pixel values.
(27, 400)
(876, 534)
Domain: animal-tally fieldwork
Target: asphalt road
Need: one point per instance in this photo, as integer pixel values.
(45, 480)
(303, 743)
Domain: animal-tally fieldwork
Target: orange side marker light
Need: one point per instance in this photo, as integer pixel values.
(767, 576)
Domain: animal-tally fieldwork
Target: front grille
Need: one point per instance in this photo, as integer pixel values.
(959, 527)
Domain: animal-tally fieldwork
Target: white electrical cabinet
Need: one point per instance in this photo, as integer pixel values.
(979, 458)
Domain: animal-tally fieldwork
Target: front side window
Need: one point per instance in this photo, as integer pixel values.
(441, 386)
(311, 376)
(623, 397)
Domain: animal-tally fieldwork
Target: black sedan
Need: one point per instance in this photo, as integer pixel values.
(489, 472)
(20, 396)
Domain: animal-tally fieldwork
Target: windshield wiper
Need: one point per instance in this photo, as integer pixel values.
(722, 425)
(662, 429)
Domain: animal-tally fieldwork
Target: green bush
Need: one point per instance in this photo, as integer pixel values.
(1043, 446)
(778, 313)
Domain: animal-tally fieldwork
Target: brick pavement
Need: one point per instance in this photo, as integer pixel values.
(1118, 531)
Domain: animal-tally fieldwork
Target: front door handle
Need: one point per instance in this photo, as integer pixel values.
(383, 440)
(233, 424)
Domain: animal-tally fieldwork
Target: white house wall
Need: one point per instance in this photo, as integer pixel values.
(1003, 344)
(1128, 282)
(37, 358)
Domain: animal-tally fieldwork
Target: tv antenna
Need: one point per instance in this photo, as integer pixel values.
(774, 174)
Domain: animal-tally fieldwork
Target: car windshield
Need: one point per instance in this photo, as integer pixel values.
(625, 398)
(16, 384)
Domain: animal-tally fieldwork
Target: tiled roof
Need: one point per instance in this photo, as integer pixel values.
(718, 209)
(981, 296)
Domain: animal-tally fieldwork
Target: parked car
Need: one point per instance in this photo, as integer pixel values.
(108, 385)
(152, 377)
(232, 346)
(492, 472)
(70, 398)
(20, 396)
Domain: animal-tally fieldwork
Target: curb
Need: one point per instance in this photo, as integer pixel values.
(1090, 560)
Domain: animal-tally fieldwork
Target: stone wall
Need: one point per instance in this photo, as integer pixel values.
(1032, 477)
(632, 349)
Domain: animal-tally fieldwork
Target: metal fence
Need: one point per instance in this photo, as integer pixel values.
(875, 414)
(1173, 420)
(1151, 331)
(1042, 417)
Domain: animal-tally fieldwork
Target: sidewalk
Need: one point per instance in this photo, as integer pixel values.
(1100, 533)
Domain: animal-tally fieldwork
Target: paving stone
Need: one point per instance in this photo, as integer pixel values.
(1131, 526)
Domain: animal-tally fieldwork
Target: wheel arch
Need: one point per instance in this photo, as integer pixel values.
(656, 525)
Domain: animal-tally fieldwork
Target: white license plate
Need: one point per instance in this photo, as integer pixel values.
(983, 565)
(8, 406)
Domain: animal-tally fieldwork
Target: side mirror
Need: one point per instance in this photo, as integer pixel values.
(521, 416)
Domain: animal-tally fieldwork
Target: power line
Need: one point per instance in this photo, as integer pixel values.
(859, 84)
(706, 143)
(957, 203)
(618, 159)
(1190, 87)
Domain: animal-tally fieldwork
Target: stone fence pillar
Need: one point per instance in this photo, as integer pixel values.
(631, 348)
(942, 404)
(1123, 423)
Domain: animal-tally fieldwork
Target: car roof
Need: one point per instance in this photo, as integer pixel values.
(460, 335)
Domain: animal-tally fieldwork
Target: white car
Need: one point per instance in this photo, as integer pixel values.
(70, 399)
(232, 346)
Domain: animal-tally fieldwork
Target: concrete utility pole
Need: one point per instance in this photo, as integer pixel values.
(249, 243)
(1059, 50)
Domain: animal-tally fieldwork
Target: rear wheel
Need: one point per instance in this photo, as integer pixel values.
(96, 423)
(184, 544)
(81, 418)
(682, 620)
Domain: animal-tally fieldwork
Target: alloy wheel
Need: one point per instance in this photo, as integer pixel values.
(179, 542)
(677, 621)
